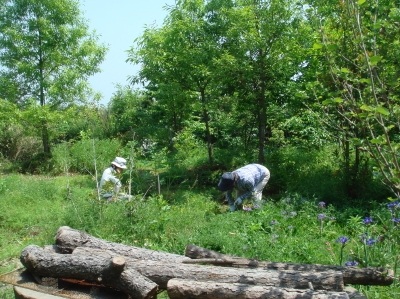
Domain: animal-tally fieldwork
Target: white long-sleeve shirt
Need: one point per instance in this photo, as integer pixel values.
(109, 175)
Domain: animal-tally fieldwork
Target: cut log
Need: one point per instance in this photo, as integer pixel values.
(67, 239)
(182, 289)
(161, 273)
(351, 275)
(110, 272)
(23, 293)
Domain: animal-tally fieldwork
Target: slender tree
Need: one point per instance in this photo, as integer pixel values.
(46, 54)
(263, 40)
(179, 58)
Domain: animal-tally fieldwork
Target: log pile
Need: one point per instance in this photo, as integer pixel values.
(201, 273)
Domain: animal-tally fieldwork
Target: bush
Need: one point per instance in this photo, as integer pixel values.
(82, 155)
(16, 146)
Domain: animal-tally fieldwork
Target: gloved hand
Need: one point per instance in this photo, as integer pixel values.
(238, 202)
(233, 208)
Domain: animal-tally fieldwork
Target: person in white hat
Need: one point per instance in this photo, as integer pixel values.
(110, 175)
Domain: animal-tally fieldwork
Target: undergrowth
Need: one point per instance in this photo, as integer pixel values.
(291, 229)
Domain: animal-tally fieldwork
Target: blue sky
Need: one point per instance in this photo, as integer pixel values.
(118, 23)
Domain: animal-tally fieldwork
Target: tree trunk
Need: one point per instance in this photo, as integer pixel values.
(207, 123)
(104, 269)
(263, 109)
(182, 289)
(351, 275)
(67, 239)
(162, 272)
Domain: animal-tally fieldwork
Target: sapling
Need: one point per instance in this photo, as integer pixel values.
(66, 169)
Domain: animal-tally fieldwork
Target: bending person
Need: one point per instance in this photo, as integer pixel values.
(248, 181)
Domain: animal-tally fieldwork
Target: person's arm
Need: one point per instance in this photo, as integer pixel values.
(246, 186)
(228, 196)
(117, 184)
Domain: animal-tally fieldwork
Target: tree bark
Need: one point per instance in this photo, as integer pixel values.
(351, 275)
(109, 271)
(162, 272)
(67, 239)
(182, 289)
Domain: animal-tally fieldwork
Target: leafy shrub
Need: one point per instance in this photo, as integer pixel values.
(319, 173)
(39, 164)
(82, 155)
(15, 145)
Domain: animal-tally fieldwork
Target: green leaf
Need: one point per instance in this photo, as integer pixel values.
(327, 102)
(317, 46)
(375, 141)
(367, 81)
(365, 108)
(332, 47)
(361, 2)
(338, 100)
(344, 70)
(374, 60)
(382, 110)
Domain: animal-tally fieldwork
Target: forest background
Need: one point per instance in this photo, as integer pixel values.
(310, 89)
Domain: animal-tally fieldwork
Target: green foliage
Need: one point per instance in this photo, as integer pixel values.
(31, 209)
(55, 53)
(319, 172)
(81, 156)
(45, 37)
(290, 229)
(357, 71)
(220, 77)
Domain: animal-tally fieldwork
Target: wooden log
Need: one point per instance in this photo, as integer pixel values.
(182, 289)
(351, 275)
(108, 271)
(162, 272)
(23, 293)
(67, 239)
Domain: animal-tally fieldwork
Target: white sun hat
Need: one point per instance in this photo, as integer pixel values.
(119, 162)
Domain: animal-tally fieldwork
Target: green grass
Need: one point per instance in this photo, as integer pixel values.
(32, 208)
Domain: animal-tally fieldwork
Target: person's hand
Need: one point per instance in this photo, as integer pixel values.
(233, 208)
(238, 202)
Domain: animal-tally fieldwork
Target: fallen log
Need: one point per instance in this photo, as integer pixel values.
(162, 272)
(182, 289)
(111, 272)
(67, 239)
(351, 275)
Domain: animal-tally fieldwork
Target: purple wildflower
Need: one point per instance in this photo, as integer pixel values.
(342, 240)
(247, 208)
(273, 222)
(368, 220)
(322, 204)
(371, 242)
(321, 216)
(284, 212)
(257, 207)
(351, 263)
(292, 214)
(393, 205)
(396, 220)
